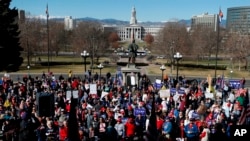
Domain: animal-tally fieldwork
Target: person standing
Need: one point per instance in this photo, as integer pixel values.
(191, 130)
(119, 126)
(204, 136)
(180, 131)
(167, 128)
(130, 129)
(63, 131)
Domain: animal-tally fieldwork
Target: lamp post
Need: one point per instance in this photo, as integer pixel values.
(162, 68)
(177, 57)
(84, 55)
(231, 72)
(100, 66)
(28, 67)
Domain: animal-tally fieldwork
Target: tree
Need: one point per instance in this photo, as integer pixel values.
(113, 38)
(149, 39)
(10, 49)
(172, 38)
(204, 42)
(89, 36)
(57, 36)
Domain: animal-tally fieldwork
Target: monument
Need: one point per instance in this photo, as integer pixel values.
(131, 72)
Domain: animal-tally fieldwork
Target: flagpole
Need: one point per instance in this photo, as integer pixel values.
(47, 15)
(217, 44)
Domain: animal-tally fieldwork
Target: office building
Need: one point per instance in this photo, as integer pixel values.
(205, 21)
(69, 23)
(238, 19)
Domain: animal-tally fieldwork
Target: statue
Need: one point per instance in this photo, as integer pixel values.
(132, 48)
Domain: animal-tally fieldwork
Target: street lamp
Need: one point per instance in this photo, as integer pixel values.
(28, 67)
(162, 68)
(231, 72)
(84, 55)
(177, 57)
(100, 66)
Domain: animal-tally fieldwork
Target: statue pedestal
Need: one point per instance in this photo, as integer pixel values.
(130, 75)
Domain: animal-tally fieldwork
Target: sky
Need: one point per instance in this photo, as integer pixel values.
(146, 10)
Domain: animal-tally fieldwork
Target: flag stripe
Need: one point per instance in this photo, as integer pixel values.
(244, 114)
(220, 15)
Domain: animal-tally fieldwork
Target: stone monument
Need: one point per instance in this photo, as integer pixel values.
(130, 72)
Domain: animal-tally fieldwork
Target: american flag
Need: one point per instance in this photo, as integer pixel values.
(47, 11)
(220, 15)
(244, 114)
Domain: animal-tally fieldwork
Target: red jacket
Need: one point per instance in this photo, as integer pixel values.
(130, 129)
(63, 133)
(159, 124)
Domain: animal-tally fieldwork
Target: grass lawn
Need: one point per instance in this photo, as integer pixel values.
(152, 68)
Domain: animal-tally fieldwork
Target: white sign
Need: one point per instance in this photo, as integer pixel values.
(132, 80)
(209, 95)
(75, 94)
(93, 89)
(68, 95)
(164, 93)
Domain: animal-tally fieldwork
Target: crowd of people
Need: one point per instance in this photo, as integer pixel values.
(123, 113)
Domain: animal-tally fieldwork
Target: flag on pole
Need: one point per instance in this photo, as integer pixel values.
(220, 15)
(47, 11)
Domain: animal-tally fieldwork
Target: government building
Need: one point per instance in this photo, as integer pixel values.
(133, 29)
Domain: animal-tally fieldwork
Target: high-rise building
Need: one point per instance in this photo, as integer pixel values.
(21, 15)
(69, 23)
(238, 19)
(205, 21)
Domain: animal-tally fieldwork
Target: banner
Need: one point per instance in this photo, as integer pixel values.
(180, 91)
(138, 111)
(235, 84)
(157, 84)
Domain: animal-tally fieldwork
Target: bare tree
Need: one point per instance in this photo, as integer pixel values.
(174, 37)
(57, 36)
(32, 37)
(90, 37)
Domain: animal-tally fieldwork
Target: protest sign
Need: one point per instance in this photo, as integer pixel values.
(164, 93)
(93, 89)
(140, 111)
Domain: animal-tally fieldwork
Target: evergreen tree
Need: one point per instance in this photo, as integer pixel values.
(10, 49)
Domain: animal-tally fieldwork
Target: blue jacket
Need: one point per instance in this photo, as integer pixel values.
(191, 131)
(167, 127)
